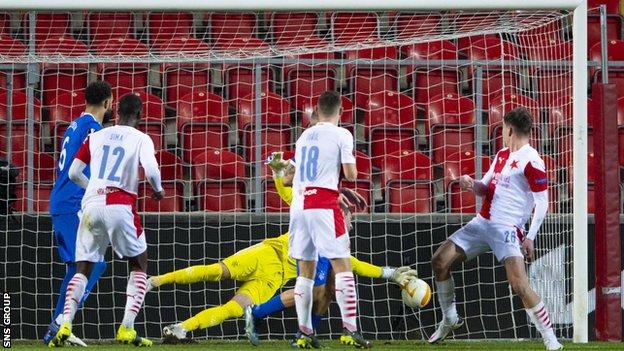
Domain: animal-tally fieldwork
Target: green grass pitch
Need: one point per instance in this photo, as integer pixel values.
(335, 345)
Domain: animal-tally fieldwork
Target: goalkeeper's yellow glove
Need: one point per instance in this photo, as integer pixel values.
(402, 275)
(277, 164)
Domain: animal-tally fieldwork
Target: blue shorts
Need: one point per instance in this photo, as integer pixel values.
(322, 271)
(65, 228)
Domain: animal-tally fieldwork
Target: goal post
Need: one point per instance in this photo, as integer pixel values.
(271, 73)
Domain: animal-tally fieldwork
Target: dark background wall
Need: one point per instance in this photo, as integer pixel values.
(177, 241)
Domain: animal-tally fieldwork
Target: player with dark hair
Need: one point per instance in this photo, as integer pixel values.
(109, 213)
(66, 196)
(514, 187)
(316, 224)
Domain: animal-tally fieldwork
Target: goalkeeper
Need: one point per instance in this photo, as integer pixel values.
(283, 172)
(263, 268)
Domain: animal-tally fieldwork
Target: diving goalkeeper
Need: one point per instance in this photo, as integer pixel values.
(264, 268)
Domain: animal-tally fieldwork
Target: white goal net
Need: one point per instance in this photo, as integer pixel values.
(424, 94)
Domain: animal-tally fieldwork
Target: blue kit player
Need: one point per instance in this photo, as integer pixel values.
(66, 196)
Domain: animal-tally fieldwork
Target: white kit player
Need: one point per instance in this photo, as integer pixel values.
(317, 226)
(109, 212)
(514, 187)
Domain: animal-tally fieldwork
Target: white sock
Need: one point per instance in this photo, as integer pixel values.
(303, 304)
(346, 297)
(445, 290)
(135, 293)
(541, 319)
(75, 290)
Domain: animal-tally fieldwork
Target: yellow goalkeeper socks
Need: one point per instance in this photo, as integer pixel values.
(213, 316)
(193, 274)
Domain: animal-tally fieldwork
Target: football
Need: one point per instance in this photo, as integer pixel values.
(416, 293)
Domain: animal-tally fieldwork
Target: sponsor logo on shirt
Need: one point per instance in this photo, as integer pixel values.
(309, 192)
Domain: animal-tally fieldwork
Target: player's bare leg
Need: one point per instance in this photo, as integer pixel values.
(176, 333)
(135, 294)
(202, 273)
(516, 274)
(346, 297)
(303, 292)
(441, 262)
(75, 291)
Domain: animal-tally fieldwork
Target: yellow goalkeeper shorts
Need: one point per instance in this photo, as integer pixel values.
(259, 268)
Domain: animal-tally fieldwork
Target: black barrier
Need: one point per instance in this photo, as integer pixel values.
(174, 241)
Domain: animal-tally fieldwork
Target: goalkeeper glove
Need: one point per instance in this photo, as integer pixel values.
(277, 164)
(399, 275)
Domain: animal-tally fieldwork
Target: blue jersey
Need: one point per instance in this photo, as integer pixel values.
(66, 195)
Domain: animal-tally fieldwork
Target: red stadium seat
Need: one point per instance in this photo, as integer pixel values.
(409, 25)
(5, 23)
(240, 79)
(272, 201)
(390, 124)
(367, 80)
(289, 27)
(505, 103)
(430, 81)
(172, 202)
(473, 24)
(43, 167)
(613, 6)
(354, 27)
(61, 78)
(181, 79)
(406, 179)
(203, 123)
(103, 26)
(12, 48)
(363, 184)
(227, 26)
(553, 83)
(40, 198)
(19, 123)
(163, 26)
(123, 77)
(49, 25)
(450, 121)
(219, 181)
(276, 128)
(456, 165)
(614, 29)
(304, 82)
(171, 173)
(63, 110)
(497, 80)
(347, 119)
(615, 49)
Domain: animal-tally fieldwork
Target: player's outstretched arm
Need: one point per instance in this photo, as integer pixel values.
(76, 173)
(397, 275)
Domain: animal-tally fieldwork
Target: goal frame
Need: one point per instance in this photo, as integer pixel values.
(579, 65)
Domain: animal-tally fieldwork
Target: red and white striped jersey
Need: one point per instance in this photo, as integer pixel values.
(511, 180)
(114, 155)
(319, 154)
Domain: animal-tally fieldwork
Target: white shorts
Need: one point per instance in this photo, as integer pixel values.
(101, 225)
(480, 235)
(313, 232)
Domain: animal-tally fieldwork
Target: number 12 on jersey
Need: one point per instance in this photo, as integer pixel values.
(309, 163)
(119, 152)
